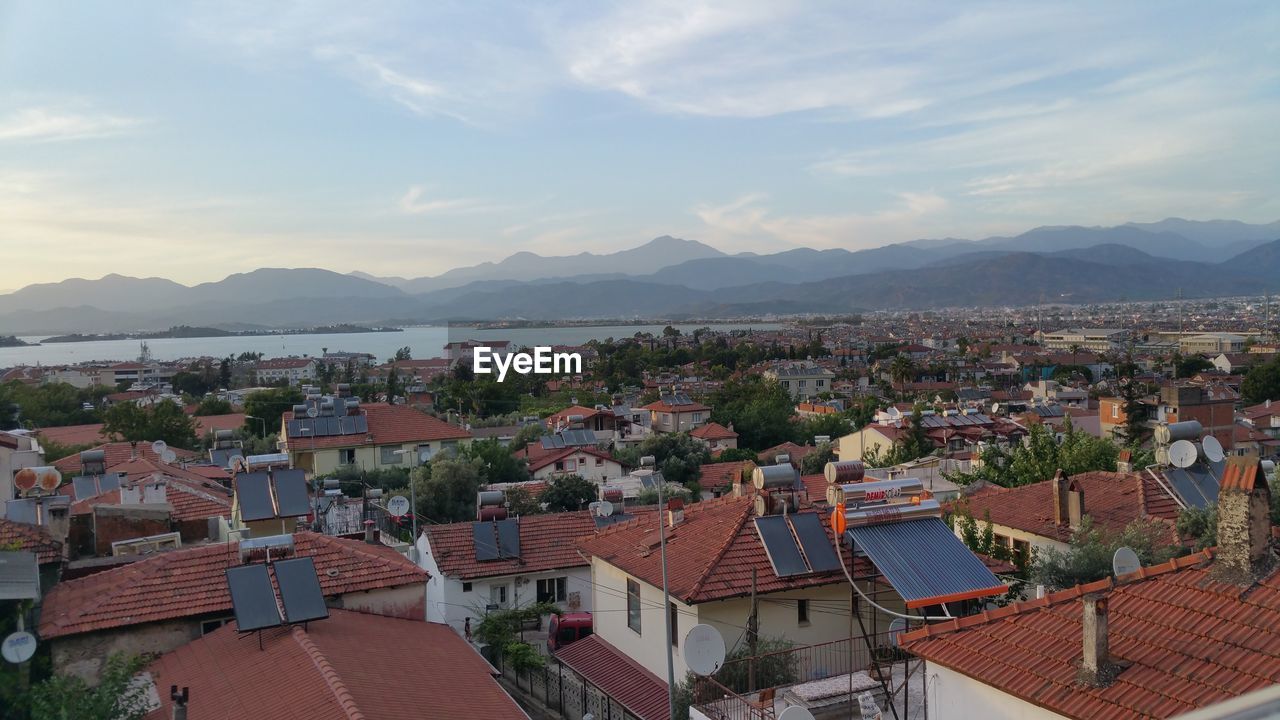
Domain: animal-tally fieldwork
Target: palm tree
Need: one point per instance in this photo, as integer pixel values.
(902, 369)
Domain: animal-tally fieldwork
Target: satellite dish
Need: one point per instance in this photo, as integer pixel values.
(398, 506)
(1183, 454)
(796, 712)
(168, 456)
(48, 478)
(1125, 561)
(25, 479)
(19, 647)
(313, 411)
(704, 650)
(424, 456)
(158, 447)
(604, 509)
(897, 626)
(995, 408)
(1213, 449)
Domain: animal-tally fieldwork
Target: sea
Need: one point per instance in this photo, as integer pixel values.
(423, 342)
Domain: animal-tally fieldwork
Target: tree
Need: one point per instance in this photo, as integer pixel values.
(393, 385)
(568, 492)
(402, 354)
(115, 697)
(1131, 391)
(528, 434)
(1262, 382)
(1190, 365)
(1091, 550)
(737, 455)
(521, 502)
(163, 421)
(497, 463)
(270, 405)
(815, 462)
(902, 369)
(676, 455)
(211, 405)
(1040, 457)
(447, 489)
(759, 409)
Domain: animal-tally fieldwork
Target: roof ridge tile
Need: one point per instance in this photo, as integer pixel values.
(330, 676)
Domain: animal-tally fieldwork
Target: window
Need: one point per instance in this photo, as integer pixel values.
(599, 462)
(801, 384)
(633, 605)
(466, 587)
(347, 456)
(675, 624)
(388, 455)
(498, 595)
(820, 383)
(697, 417)
(1021, 551)
(802, 612)
(551, 589)
(1115, 410)
(209, 626)
(786, 383)
(450, 447)
(1002, 541)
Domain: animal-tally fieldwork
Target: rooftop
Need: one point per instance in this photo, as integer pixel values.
(546, 543)
(119, 453)
(388, 425)
(33, 538)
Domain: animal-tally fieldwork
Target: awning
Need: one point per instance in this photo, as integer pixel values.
(925, 562)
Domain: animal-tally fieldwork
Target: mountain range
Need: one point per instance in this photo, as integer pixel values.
(674, 278)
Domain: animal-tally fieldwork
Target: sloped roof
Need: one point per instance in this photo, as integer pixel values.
(1189, 641)
(546, 543)
(621, 678)
(119, 453)
(334, 669)
(714, 475)
(191, 582)
(190, 501)
(540, 461)
(713, 431)
(34, 538)
(388, 425)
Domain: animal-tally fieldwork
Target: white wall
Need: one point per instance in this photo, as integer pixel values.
(953, 696)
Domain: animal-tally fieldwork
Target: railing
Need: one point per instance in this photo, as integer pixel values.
(720, 703)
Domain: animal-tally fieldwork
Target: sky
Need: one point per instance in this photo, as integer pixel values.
(194, 140)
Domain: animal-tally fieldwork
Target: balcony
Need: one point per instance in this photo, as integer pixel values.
(827, 679)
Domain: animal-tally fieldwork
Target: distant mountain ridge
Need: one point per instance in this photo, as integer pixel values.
(673, 277)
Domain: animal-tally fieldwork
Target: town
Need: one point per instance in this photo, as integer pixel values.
(1055, 511)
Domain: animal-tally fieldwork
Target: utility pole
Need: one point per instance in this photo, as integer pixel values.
(753, 632)
(666, 597)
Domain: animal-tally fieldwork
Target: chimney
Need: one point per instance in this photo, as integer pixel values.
(675, 512)
(1059, 488)
(179, 702)
(371, 533)
(57, 520)
(1096, 668)
(1244, 523)
(1075, 505)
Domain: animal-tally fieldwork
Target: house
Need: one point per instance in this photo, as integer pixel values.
(462, 351)
(1212, 343)
(117, 454)
(715, 436)
(325, 670)
(675, 412)
(18, 449)
(600, 420)
(1052, 391)
(368, 436)
(165, 600)
(1238, 363)
(802, 380)
(595, 465)
(291, 371)
(38, 539)
(1044, 515)
(1212, 407)
(1155, 643)
(466, 582)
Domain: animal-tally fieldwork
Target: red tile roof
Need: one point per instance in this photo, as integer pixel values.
(713, 431)
(639, 691)
(334, 669)
(34, 538)
(546, 543)
(191, 582)
(1112, 499)
(90, 434)
(585, 412)
(715, 475)
(388, 425)
(541, 460)
(710, 554)
(661, 406)
(119, 453)
(190, 501)
(206, 424)
(797, 452)
(1189, 641)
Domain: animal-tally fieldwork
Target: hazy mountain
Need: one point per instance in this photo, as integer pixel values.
(1262, 260)
(112, 292)
(1214, 233)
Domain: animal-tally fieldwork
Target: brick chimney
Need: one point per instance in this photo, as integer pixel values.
(1096, 668)
(1244, 523)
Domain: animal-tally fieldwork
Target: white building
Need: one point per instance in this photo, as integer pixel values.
(18, 449)
(1095, 339)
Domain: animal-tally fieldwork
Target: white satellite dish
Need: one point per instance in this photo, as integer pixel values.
(158, 447)
(704, 650)
(1213, 449)
(424, 456)
(398, 506)
(168, 456)
(18, 647)
(313, 411)
(1183, 454)
(604, 509)
(796, 712)
(995, 408)
(1125, 561)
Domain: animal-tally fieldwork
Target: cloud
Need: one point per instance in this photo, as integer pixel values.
(49, 124)
(412, 203)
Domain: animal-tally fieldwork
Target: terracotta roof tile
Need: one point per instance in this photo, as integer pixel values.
(715, 475)
(713, 431)
(191, 582)
(621, 678)
(334, 669)
(388, 425)
(119, 453)
(35, 538)
(546, 543)
(1189, 640)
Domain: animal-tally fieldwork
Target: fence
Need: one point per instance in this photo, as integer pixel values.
(560, 690)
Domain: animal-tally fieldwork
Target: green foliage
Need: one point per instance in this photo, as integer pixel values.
(914, 445)
(568, 492)
(498, 464)
(670, 491)
(54, 450)
(1190, 365)
(1200, 525)
(393, 387)
(759, 409)
(1262, 382)
(402, 354)
(270, 405)
(677, 455)
(198, 380)
(737, 455)
(816, 461)
(522, 657)
(522, 502)
(773, 666)
(352, 479)
(1091, 550)
(500, 631)
(211, 405)
(51, 405)
(1040, 457)
(902, 369)
(447, 489)
(833, 426)
(163, 421)
(528, 434)
(624, 362)
(66, 697)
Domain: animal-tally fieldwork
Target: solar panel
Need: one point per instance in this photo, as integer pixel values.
(84, 487)
(253, 492)
(1197, 485)
(509, 538)
(348, 425)
(925, 562)
(815, 542)
(300, 590)
(23, 511)
(339, 406)
(19, 576)
(780, 546)
(108, 482)
(362, 424)
(293, 427)
(252, 598)
(485, 539)
(291, 493)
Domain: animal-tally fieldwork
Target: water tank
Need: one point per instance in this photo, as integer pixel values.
(775, 476)
(845, 471)
(1173, 432)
